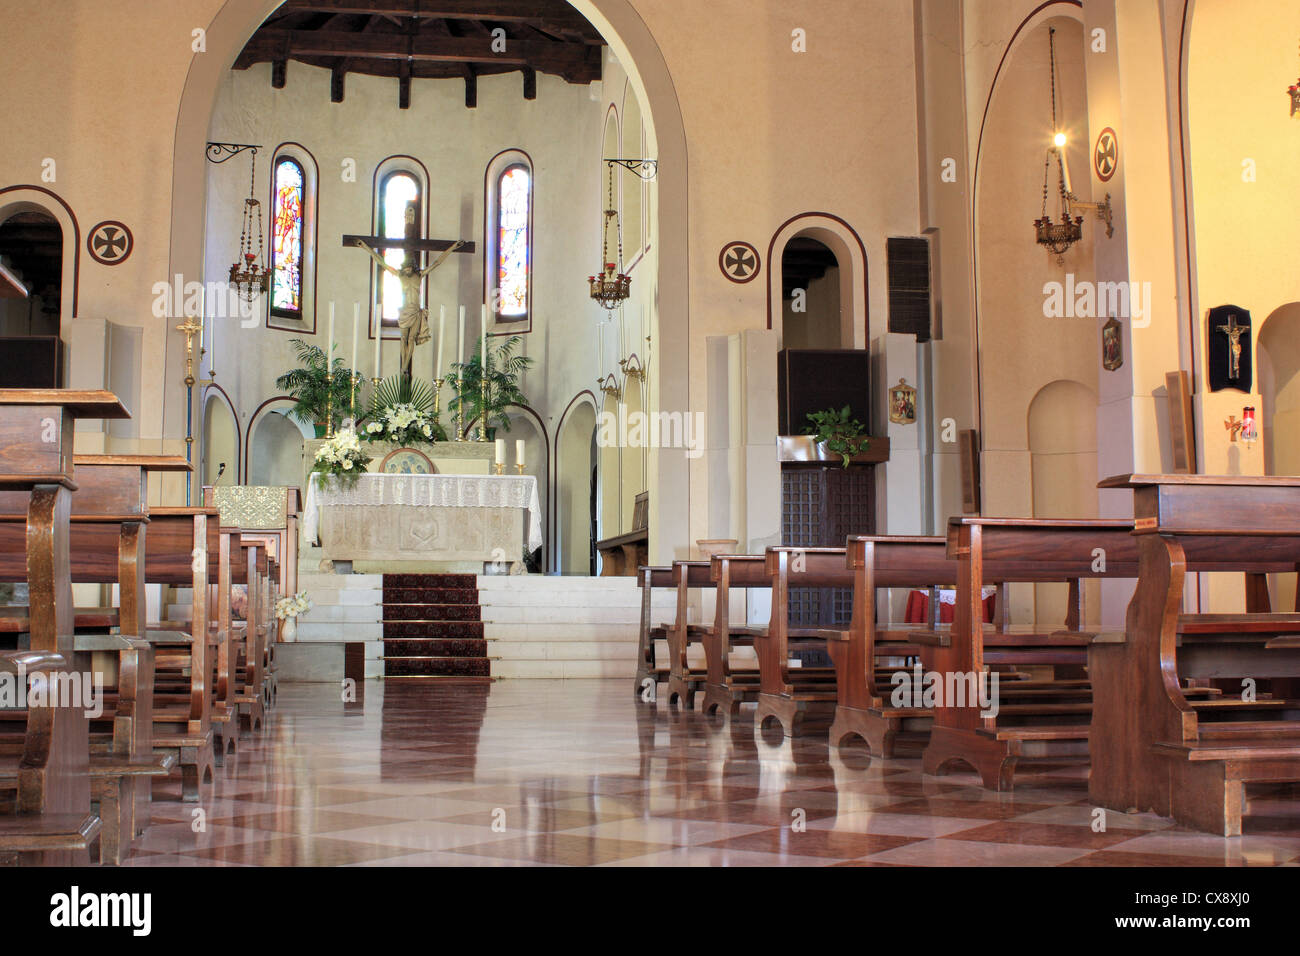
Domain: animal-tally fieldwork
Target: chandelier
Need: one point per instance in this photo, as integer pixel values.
(1294, 90)
(1057, 236)
(248, 275)
(611, 287)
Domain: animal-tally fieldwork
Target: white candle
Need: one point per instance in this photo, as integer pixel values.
(379, 338)
(482, 351)
(519, 452)
(460, 337)
(500, 444)
(442, 325)
(329, 352)
(356, 325)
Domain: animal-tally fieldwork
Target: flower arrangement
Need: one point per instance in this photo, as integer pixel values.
(341, 457)
(402, 424)
(291, 607)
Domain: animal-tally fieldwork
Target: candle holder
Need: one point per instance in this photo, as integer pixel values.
(519, 468)
(437, 396)
(355, 379)
(500, 468)
(329, 404)
(482, 418)
(460, 409)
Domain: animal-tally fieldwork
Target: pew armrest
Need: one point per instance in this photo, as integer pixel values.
(31, 662)
(930, 638)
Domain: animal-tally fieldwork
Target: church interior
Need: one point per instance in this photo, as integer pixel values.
(649, 433)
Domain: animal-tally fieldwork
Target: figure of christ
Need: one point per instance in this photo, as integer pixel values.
(412, 320)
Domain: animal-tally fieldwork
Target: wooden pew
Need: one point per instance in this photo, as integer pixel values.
(1036, 720)
(647, 669)
(726, 689)
(45, 787)
(863, 704)
(1154, 749)
(683, 680)
(53, 786)
(786, 693)
(623, 554)
(111, 495)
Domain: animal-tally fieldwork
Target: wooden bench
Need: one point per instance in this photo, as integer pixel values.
(725, 688)
(622, 554)
(45, 787)
(53, 821)
(684, 680)
(787, 693)
(1154, 749)
(648, 634)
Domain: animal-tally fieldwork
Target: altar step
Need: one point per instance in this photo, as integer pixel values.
(432, 627)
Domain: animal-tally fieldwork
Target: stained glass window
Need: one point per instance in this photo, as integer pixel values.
(514, 204)
(398, 190)
(286, 239)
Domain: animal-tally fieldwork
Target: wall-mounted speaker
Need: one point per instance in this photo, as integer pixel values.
(908, 266)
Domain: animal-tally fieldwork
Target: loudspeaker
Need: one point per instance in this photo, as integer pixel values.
(908, 265)
(31, 361)
(813, 380)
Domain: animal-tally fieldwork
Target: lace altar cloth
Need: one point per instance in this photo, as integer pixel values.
(427, 491)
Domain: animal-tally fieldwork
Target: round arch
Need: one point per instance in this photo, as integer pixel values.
(850, 252)
(260, 412)
(636, 48)
(28, 198)
(575, 438)
(218, 443)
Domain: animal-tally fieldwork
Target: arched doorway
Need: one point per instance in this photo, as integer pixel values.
(221, 441)
(1062, 425)
(31, 273)
(275, 450)
(575, 465)
(636, 49)
(1277, 357)
(525, 426)
(810, 295)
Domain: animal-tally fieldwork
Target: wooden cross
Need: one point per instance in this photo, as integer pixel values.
(411, 242)
(1234, 333)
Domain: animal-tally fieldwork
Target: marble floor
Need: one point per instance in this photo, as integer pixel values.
(554, 773)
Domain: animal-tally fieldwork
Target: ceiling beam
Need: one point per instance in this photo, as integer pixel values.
(577, 63)
(557, 17)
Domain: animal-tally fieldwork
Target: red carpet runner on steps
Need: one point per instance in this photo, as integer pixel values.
(433, 627)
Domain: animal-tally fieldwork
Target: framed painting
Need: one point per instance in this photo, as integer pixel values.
(407, 461)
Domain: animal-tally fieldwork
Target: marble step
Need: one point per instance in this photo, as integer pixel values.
(571, 669)
(561, 650)
(588, 614)
(564, 631)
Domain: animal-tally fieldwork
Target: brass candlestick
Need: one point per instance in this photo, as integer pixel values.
(190, 329)
(519, 468)
(437, 396)
(482, 415)
(460, 410)
(500, 467)
(356, 380)
(329, 404)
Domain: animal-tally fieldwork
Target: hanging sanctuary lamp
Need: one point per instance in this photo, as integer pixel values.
(611, 287)
(249, 274)
(1056, 236)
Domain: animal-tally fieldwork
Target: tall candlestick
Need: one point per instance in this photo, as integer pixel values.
(460, 337)
(356, 324)
(519, 453)
(442, 325)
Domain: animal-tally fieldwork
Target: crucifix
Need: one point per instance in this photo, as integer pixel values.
(412, 320)
(1234, 333)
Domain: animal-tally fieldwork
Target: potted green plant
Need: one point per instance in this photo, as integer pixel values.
(838, 432)
(401, 412)
(503, 370)
(311, 389)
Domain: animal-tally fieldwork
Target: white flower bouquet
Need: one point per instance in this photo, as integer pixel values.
(341, 457)
(402, 423)
(291, 607)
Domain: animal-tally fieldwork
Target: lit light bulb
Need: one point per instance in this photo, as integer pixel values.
(1059, 139)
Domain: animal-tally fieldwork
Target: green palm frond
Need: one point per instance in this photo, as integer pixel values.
(311, 388)
(502, 382)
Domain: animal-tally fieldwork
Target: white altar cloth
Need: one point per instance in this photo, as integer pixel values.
(427, 491)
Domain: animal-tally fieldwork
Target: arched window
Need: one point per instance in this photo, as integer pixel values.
(399, 197)
(292, 221)
(514, 242)
(508, 258)
(287, 239)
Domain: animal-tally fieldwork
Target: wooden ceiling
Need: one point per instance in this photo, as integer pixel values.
(428, 39)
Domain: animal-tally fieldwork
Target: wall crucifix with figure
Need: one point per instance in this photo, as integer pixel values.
(413, 321)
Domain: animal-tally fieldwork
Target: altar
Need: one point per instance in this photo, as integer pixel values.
(426, 522)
